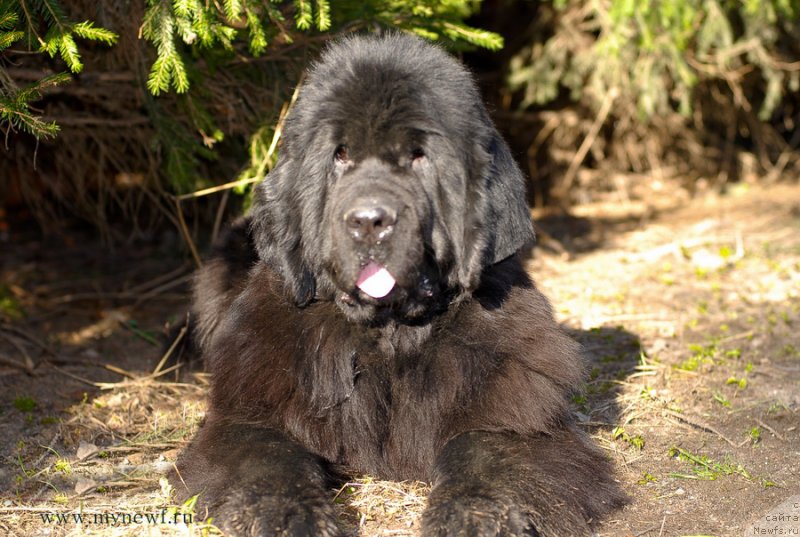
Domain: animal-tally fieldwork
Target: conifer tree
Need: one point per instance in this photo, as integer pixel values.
(40, 25)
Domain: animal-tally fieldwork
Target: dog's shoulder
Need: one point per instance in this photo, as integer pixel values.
(222, 278)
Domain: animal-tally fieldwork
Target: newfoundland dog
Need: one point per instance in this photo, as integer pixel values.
(371, 315)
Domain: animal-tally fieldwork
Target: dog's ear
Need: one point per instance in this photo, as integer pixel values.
(511, 224)
(277, 231)
(497, 222)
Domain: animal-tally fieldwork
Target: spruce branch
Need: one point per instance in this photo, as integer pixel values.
(323, 15)
(15, 109)
(233, 9)
(303, 17)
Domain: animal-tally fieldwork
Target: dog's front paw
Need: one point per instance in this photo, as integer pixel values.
(248, 514)
(475, 516)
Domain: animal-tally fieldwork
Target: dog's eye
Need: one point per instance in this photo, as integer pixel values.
(417, 153)
(341, 154)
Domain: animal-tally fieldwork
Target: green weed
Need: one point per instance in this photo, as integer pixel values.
(10, 308)
(636, 441)
(741, 383)
(646, 478)
(705, 468)
(24, 403)
(63, 466)
(721, 399)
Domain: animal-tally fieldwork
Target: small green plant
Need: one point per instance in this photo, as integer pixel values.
(25, 403)
(703, 467)
(667, 279)
(648, 393)
(741, 383)
(701, 354)
(579, 399)
(10, 307)
(733, 353)
(755, 435)
(646, 478)
(721, 399)
(636, 441)
(777, 407)
(26, 473)
(63, 466)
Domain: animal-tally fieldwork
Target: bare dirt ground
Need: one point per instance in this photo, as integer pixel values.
(689, 313)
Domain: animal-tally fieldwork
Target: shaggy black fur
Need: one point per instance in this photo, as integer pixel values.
(460, 376)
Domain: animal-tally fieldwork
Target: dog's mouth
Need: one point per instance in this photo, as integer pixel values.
(375, 280)
(380, 286)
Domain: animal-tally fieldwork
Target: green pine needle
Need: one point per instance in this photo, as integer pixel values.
(68, 51)
(258, 38)
(87, 30)
(15, 109)
(53, 14)
(8, 19)
(323, 15)
(482, 38)
(233, 9)
(303, 17)
(6, 39)
(184, 8)
(180, 79)
(160, 76)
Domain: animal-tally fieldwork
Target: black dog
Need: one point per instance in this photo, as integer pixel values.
(371, 313)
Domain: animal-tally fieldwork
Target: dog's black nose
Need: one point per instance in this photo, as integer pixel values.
(370, 222)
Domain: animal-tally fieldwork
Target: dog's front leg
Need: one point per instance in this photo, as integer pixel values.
(253, 481)
(504, 484)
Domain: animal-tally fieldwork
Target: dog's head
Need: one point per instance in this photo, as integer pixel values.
(393, 190)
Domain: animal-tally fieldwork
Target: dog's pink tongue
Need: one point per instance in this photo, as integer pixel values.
(375, 280)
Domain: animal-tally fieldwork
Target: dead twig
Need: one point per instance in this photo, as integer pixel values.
(23, 333)
(150, 284)
(699, 424)
(770, 429)
(223, 203)
(13, 363)
(119, 371)
(48, 449)
(172, 348)
(185, 232)
(218, 188)
(27, 365)
(646, 531)
(177, 282)
(122, 295)
(75, 377)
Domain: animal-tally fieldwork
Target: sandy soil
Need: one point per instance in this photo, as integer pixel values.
(689, 313)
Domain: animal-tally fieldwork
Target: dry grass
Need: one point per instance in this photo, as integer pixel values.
(382, 507)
